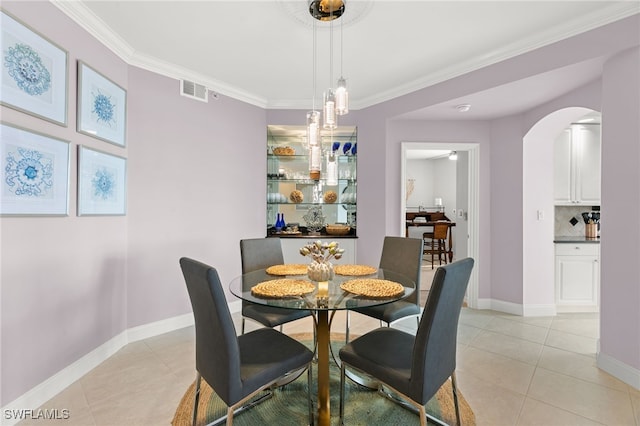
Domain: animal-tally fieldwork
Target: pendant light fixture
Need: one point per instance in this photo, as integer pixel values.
(313, 123)
(330, 120)
(342, 96)
(325, 10)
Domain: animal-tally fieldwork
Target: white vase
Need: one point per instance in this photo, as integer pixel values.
(320, 271)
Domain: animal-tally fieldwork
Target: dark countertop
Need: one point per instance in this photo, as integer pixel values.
(575, 239)
(307, 236)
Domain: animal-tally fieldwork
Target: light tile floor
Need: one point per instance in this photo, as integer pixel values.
(512, 370)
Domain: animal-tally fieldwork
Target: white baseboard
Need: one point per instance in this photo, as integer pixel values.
(540, 310)
(620, 370)
(55, 384)
(145, 331)
(517, 309)
(500, 306)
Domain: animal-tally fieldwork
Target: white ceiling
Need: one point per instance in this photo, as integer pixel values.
(261, 51)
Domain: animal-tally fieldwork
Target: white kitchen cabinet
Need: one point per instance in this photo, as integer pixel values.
(577, 166)
(577, 277)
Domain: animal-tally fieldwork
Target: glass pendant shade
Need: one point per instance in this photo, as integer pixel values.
(330, 121)
(342, 97)
(315, 162)
(313, 128)
(332, 169)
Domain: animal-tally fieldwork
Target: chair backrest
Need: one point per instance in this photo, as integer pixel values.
(217, 349)
(403, 256)
(260, 253)
(434, 351)
(440, 230)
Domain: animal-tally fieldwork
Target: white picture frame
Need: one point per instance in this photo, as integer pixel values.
(102, 183)
(35, 173)
(34, 72)
(102, 106)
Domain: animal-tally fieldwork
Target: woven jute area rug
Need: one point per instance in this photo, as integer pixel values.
(288, 405)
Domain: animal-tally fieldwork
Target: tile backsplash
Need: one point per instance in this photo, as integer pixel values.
(563, 220)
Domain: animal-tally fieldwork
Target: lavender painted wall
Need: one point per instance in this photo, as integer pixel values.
(197, 179)
(64, 278)
(443, 131)
(620, 245)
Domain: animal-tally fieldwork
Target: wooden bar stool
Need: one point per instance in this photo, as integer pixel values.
(436, 242)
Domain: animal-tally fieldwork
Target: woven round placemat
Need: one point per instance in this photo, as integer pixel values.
(288, 406)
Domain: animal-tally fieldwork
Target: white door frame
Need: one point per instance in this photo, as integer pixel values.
(473, 202)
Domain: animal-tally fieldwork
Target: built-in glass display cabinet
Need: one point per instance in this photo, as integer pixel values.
(308, 201)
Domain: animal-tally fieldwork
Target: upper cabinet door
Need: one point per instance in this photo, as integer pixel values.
(577, 166)
(562, 169)
(588, 189)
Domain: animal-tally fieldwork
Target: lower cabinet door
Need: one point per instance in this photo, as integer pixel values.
(577, 283)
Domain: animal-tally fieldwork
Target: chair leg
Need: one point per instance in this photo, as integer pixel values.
(230, 416)
(432, 252)
(310, 399)
(454, 387)
(422, 412)
(348, 323)
(342, 374)
(196, 399)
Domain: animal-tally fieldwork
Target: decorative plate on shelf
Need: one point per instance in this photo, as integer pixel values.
(314, 219)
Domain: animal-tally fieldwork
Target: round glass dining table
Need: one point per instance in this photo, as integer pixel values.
(320, 302)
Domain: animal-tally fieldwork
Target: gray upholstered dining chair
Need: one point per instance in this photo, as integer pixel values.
(415, 367)
(236, 367)
(260, 253)
(403, 256)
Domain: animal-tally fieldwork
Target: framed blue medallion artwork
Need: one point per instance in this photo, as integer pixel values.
(102, 106)
(35, 173)
(34, 72)
(102, 183)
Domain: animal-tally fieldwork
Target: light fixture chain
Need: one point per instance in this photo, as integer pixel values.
(315, 49)
(330, 53)
(341, 48)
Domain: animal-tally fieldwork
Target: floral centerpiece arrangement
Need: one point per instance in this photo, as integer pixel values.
(320, 268)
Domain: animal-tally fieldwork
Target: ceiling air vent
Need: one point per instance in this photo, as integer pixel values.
(193, 90)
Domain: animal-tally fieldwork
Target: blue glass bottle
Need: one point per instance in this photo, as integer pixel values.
(278, 224)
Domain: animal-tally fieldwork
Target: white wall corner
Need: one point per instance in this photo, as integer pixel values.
(619, 370)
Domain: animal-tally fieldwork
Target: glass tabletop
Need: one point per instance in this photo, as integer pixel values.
(336, 297)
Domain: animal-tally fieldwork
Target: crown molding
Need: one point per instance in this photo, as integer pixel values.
(84, 17)
(90, 22)
(575, 27)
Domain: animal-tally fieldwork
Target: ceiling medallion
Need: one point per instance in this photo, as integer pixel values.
(326, 10)
(357, 10)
